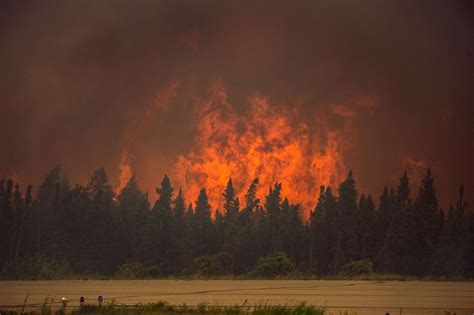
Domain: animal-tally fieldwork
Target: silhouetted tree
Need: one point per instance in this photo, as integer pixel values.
(24, 216)
(273, 210)
(230, 227)
(426, 213)
(165, 226)
(179, 212)
(383, 226)
(398, 253)
(247, 251)
(468, 264)
(346, 248)
(99, 223)
(130, 217)
(6, 219)
(453, 240)
(203, 229)
(46, 210)
(365, 220)
(96, 232)
(293, 232)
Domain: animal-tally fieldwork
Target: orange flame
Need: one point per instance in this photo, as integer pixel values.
(264, 142)
(125, 171)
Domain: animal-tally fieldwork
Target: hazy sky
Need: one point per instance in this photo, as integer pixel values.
(84, 80)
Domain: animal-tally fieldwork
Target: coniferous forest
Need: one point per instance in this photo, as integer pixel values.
(69, 230)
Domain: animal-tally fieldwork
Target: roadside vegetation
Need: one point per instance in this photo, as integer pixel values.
(216, 267)
(166, 308)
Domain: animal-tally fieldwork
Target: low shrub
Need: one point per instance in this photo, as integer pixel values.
(205, 266)
(136, 270)
(273, 265)
(356, 268)
(35, 267)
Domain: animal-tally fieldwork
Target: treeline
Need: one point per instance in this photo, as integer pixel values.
(90, 230)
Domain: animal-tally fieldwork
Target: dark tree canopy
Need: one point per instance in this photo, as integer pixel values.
(91, 230)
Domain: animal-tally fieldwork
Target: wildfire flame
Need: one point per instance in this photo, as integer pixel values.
(261, 140)
(264, 142)
(125, 171)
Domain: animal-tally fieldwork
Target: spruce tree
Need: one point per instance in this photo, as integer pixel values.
(468, 261)
(346, 247)
(203, 229)
(46, 213)
(24, 217)
(383, 226)
(230, 235)
(163, 204)
(247, 251)
(365, 227)
(77, 227)
(130, 217)
(318, 235)
(231, 207)
(399, 250)
(99, 224)
(179, 212)
(274, 212)
(188, 235)
(427, 222)
(251, 200)
(453, 241)
(295, 234)
(179, 209)
(164, 226)
(5, 221)
(323, 233)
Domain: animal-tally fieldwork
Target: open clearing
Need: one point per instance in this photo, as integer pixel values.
(363, 297)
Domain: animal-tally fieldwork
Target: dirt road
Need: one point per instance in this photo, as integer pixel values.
(363, 297)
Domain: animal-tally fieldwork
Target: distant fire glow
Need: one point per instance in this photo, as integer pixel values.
(268, 141)
(125, 171)
(264, 142)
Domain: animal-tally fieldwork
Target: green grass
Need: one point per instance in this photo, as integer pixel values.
(203, 308)
(164, 308)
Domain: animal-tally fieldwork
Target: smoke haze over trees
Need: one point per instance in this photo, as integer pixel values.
(379, 86)
(74, 229)
(257, 111)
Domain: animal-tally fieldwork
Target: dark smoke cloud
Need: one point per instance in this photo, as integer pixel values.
(77, 74)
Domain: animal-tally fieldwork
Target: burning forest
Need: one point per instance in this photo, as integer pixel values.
(210, 139)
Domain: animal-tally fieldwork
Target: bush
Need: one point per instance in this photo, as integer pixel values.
(137, 270)
(273, 265)
(355, 268)
(206, 266)
(35, 267)
(131, 271)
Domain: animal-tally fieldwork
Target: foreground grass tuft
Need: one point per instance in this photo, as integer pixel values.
(300, 309)
(163, 308)
(202, 308)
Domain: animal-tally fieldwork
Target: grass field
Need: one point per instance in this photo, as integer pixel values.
(363, 297)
